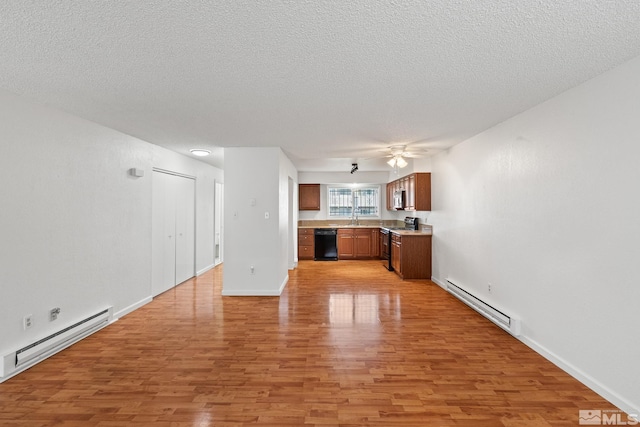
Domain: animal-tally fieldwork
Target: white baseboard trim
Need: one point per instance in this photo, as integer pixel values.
(204, 270)
(131, 308)
(255, 292)
(608, 394)
(439, 283)
(250, 293)
(284, 283)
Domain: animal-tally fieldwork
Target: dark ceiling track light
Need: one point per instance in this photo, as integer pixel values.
(354, 167)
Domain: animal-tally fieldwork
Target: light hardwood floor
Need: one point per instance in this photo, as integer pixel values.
(347, 344)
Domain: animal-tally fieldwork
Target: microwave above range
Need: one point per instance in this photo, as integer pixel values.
(399, 198)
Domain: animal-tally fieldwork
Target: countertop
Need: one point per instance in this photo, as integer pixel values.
(423, 232)
(401, 232)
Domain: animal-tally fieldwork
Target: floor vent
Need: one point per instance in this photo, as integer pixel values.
(506, 322)
(19, 360)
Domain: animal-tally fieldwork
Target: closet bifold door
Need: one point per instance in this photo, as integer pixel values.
(185, 229)
(173, 231)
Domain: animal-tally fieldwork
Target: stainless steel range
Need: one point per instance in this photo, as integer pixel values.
(410, 223)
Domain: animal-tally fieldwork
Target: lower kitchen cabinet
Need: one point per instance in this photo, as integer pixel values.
(306, 245)
(346, 239)
(362, 242)
(375, 243)
(358, 243)
(411, 255)
(396, 253)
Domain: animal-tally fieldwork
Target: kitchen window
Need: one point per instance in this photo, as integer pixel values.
(344, 200)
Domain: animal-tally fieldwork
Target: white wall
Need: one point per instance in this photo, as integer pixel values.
(260, 175)
(76, 226)
(288, 213)
(545, 208)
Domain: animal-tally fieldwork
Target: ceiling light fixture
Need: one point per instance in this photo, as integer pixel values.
(397, 161)
(200, 152)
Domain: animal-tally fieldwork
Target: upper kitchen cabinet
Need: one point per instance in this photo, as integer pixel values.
(309, 197)
(417, 188)
(419, 192)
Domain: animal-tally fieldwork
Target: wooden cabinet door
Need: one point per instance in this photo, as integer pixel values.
(309, 197)
(415, 257)
(422, 191)
(375, 242)
(404, 183)
(306, 252)
(363, 243)
(396, 256)
(411, 192)
(306, 243)
(390, 196)
(306, 239)
(346, 248)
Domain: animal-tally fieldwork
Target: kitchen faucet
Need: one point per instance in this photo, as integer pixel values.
(354, 217)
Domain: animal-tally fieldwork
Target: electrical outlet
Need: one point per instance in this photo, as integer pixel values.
(489, 287)
(53, 314)
(27, 321)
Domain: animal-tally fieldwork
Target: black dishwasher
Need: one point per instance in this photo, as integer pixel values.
(326, 244)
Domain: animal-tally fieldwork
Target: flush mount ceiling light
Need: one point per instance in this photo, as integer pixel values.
(200, 152)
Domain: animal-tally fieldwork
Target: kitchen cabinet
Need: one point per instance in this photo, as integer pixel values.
(417, 188)
(410, 202)
(309, 197)
(419, 192)
(362, 242)
(411, 255)
(358, 243)
(306, 243)
(390, 189)
(375, 243)
(396, 253)
(346, 249)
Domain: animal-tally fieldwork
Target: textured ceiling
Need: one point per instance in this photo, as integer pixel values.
(328, 81)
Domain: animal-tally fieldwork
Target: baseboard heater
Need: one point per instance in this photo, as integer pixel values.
(506, 322)
(27, 356)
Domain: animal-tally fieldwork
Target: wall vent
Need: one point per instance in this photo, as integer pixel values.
(506, 322)
(27, 356)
